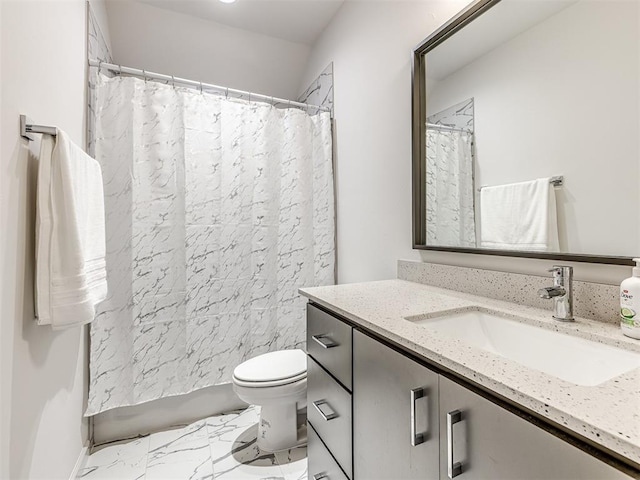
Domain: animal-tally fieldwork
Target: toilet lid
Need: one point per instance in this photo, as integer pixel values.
(273, 366)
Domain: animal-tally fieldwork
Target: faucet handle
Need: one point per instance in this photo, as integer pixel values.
(551, 292)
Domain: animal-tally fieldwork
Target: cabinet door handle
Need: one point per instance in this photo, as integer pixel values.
(416, 438)
(321, 406)
(453, 468)
(325, 341)
(320, 476)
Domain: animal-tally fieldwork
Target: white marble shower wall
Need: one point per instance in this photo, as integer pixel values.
(320, 92)
(97, 49)
(460, 115)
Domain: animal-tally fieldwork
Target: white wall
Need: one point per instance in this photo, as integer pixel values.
(579, 118)
(43, 388)
(5, 335)
(370, 44)
(167, 42)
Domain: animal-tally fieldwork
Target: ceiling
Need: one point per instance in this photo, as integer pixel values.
(300, 21)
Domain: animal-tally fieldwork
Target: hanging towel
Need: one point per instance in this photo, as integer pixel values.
(71, 274)
(519, 216)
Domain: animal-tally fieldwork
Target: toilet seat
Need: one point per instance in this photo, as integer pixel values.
(272, 369)
(273, 383)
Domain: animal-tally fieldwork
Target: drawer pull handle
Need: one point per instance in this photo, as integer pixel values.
(325, 341)
(322, 406)
(453, 468)
(321, 476)
(416, 438)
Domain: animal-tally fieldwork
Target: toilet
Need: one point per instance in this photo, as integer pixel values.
(277, 382)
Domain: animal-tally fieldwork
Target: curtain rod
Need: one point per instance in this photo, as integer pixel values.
(136, 72)
(446, 127)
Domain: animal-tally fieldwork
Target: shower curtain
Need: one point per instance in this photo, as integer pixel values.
(450, 195)
(218, 210)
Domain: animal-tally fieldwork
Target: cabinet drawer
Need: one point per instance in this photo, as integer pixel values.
(329, 343)
(321, 463)
(329, 413)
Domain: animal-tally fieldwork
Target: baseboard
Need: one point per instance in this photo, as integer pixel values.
(82, 458)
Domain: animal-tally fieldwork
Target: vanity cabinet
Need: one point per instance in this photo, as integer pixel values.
(322, 465)
(410, 421)
(395, 414)
(329, 402)
(491, 442)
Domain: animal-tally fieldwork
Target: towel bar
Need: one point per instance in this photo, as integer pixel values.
(27, 127)
(557, 181)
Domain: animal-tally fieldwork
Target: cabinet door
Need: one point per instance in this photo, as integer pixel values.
(490, 442)
(395, 414)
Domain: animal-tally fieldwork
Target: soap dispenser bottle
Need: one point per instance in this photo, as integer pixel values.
(630, 303)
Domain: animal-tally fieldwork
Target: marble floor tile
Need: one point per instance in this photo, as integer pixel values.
(124, 460)
(182, 453)
(293, 463)
(244, 461)
(228, 427)
(189, 461)
(221, 447)
(177, 436)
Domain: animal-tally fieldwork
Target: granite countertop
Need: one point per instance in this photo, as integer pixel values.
(607, 414)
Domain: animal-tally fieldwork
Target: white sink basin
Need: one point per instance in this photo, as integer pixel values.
(569, 358)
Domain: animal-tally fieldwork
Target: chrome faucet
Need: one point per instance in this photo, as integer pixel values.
(561, 293)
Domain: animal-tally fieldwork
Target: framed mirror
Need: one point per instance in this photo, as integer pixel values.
(526, 131)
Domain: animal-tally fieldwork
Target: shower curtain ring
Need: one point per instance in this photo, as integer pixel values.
(173, 81)
(99, 67)
(249, 97)
(227, 93)
(120, 70)
(144, 75)
(200, 87)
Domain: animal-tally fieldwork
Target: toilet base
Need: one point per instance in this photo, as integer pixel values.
(278, 428)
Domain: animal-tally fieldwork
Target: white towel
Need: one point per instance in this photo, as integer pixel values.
(519, 216)
(70, 234)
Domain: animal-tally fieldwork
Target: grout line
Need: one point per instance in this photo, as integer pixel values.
(146, 457)
(213, 466)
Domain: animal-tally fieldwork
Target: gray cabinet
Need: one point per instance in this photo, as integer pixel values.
(329, 343)
(329, 413)
(490, 442)
(395, 414)
(329, 374)
(321, 464)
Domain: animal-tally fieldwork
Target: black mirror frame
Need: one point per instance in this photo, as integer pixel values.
(418, 147)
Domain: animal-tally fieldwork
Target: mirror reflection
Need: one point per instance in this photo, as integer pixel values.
(532, 122)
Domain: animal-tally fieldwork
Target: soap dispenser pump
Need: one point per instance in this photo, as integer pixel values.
(630, 303)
